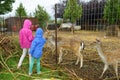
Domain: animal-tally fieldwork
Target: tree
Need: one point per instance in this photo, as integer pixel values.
(20, 11)
(112, 11)
(6, 6)
(112, 15)
(73, 11)
(30, 14)
(42, 16)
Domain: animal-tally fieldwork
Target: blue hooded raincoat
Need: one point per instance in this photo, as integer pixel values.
(37, 44)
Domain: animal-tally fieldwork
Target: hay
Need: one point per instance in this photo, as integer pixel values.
(8, 45)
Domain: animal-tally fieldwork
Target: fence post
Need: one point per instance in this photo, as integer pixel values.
(56, 31)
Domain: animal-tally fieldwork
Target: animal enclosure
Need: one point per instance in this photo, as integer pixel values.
(92, 63)
(93, 24)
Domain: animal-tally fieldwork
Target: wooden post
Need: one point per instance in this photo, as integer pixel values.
(56, 31)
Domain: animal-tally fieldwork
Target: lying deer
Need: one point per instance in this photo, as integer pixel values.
(75, 45)
(109, 58)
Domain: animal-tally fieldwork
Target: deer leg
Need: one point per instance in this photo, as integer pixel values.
(81, 63)
(60, 56)
(116, 70)
(77, 60)
(66, 52)
(53, 51)
(105, 68)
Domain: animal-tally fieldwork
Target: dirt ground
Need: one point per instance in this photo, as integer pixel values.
(92, 65)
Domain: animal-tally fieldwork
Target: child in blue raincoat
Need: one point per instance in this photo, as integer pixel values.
(36, 50)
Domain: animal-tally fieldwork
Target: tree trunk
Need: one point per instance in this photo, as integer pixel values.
(72, 28)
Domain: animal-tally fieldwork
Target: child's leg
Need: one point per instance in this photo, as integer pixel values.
(31, 65)
(22, 57)
(29, 55)
(38, 66)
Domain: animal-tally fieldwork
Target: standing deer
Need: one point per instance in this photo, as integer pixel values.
(75, 45)
(109, 58)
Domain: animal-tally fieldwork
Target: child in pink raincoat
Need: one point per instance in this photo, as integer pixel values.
(25, 39)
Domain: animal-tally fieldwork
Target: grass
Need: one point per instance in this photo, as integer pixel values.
(22, 73)
(8, 63)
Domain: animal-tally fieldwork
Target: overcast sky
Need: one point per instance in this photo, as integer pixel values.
(30, 5)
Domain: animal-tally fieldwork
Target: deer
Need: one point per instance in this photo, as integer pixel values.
(108, 58)
(75, 45)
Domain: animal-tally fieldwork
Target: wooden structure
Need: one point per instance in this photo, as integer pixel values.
(15, 23)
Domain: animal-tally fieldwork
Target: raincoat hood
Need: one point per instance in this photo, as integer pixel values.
(27, 24)
(39, 32)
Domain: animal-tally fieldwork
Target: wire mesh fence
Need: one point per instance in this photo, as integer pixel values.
(97, 15)
(93, 13)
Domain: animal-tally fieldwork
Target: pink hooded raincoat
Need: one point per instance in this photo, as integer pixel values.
(25, 35)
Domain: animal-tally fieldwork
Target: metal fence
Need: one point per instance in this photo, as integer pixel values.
(93, 15)
(91, 19)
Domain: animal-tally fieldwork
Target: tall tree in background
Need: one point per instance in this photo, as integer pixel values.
(20, 11)
(112, 11)
(42, 16)
(73, 11)
(6, 6)
(112, 15)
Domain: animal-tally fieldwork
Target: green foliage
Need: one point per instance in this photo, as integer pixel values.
(20, 11)
(73, 11)
(112, 11)
(3, 76)
(42, 16)
(22, 73)
(6, 6)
